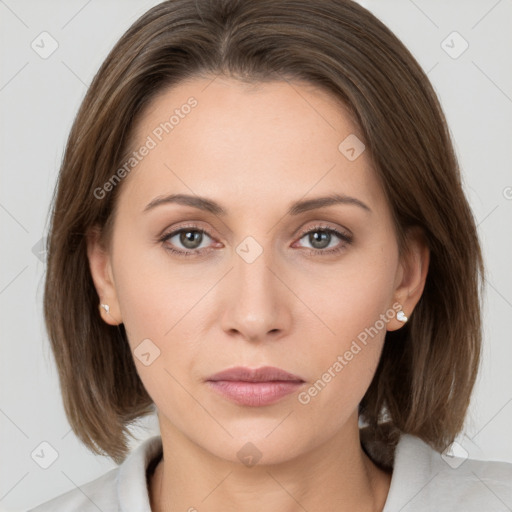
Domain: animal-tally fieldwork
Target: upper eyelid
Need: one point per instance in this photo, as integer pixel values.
(168, 232)
(323, 226)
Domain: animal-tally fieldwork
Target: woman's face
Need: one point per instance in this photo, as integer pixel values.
(256, 285)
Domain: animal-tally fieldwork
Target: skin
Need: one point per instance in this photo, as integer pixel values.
(255, 149)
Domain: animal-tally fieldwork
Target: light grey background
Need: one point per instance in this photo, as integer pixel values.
(39, 98)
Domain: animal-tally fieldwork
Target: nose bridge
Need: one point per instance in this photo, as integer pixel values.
(256, 302)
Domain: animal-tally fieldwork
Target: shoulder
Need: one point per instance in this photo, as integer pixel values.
(424, 479)
(97, 494)
(122, 488)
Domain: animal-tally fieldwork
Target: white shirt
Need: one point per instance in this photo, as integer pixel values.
(422, 481)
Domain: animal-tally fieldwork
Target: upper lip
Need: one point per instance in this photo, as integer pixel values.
(263, 374)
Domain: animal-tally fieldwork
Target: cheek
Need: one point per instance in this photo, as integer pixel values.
(356, 306)
(155, 292)
(158, 300)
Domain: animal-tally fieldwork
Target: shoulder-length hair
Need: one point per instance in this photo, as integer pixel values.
(427, 370)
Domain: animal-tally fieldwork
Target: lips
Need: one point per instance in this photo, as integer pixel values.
(263, 374)
(254, 387)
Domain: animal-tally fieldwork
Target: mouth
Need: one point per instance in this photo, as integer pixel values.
(254, 388)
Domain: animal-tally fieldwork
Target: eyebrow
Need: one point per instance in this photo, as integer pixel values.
(296, 208)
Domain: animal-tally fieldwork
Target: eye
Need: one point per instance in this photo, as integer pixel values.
(323, 240)
(188, 240)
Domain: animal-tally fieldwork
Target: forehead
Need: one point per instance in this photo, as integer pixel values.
(268, 140)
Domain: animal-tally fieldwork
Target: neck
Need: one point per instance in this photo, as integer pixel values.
(337, 475)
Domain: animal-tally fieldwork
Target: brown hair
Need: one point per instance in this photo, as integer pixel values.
(428, 367)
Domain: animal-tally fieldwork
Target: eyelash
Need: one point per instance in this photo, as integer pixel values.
(197, 252)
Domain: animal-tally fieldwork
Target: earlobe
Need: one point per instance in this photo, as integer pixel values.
(414, 269)
(102, 276)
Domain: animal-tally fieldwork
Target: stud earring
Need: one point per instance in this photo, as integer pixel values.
(106, 307)
(400, 316)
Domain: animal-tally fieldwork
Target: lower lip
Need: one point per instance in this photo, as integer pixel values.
(254, 394)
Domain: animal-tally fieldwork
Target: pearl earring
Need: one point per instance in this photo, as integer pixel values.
(106, 307)
(400, 316)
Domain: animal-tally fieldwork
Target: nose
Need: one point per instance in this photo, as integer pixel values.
(257, 302)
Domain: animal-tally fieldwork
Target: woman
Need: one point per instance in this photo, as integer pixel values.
(260, 231)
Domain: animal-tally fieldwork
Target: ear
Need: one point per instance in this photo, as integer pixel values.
(411, 275)
(101, 272)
